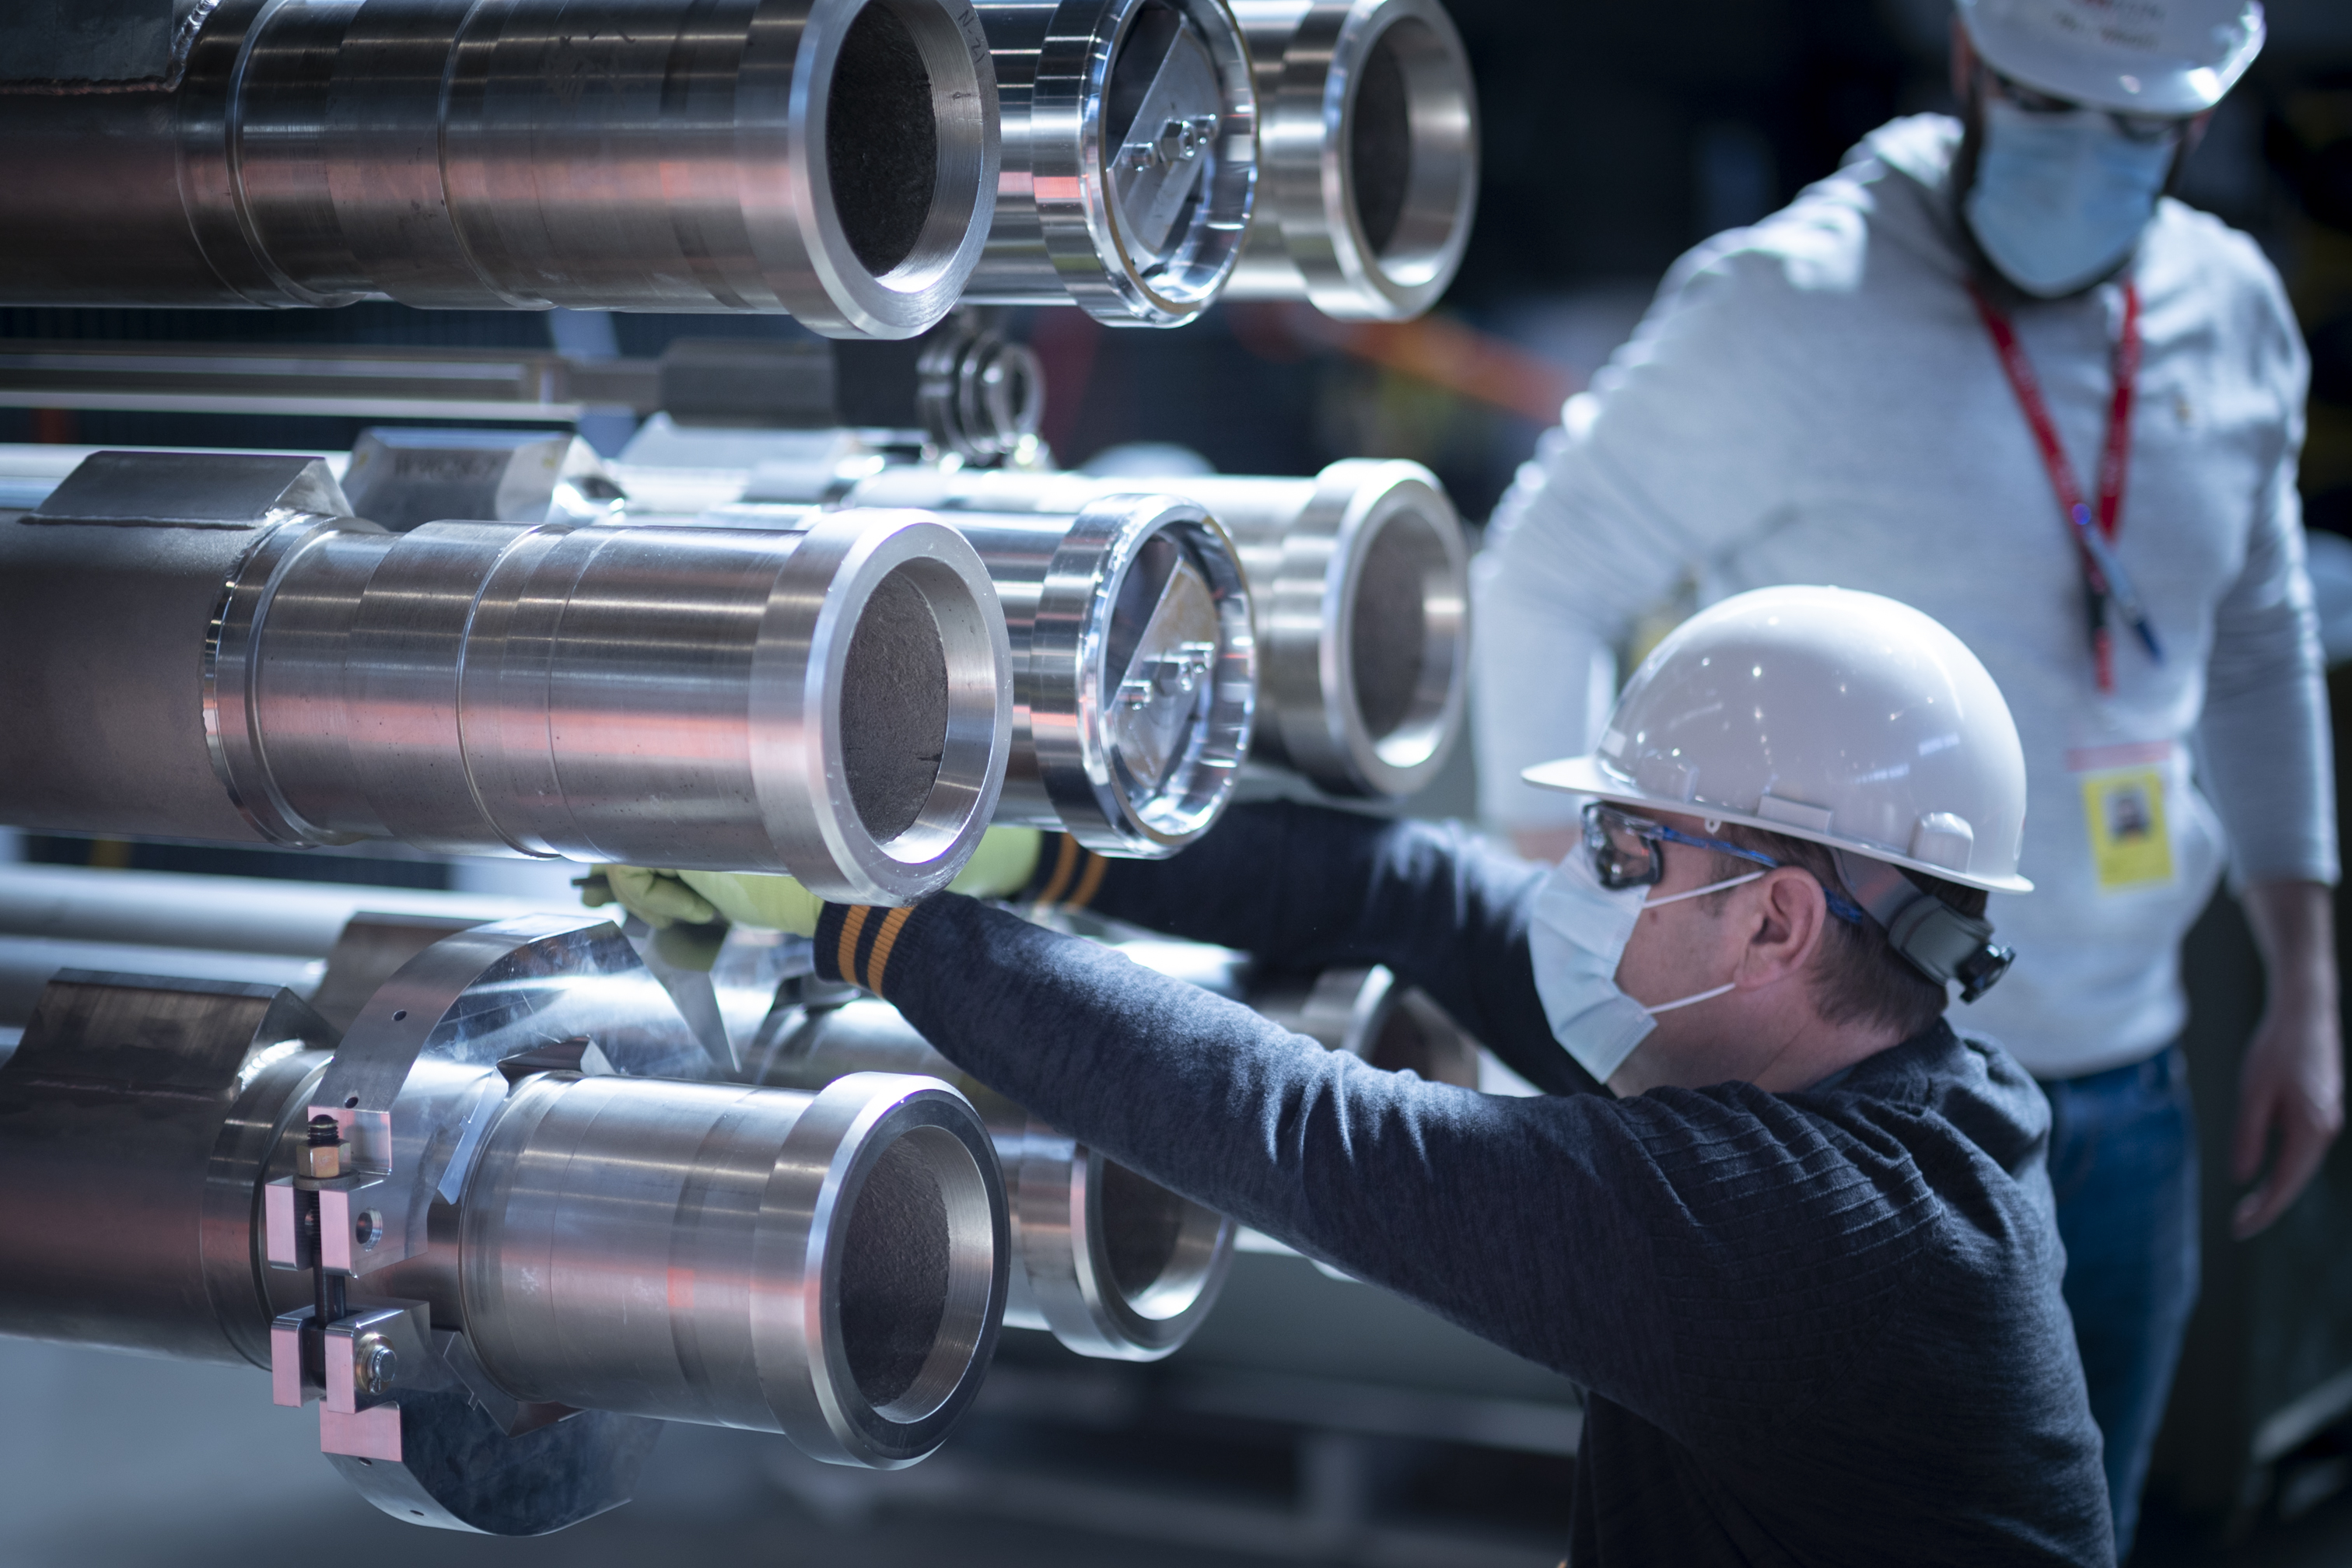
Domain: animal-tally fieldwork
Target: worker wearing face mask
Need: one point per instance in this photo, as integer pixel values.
(1989, 369)
(1802, 1259)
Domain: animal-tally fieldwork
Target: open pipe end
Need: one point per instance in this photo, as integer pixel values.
(1369, 686)
(903, 670)
(900, 149)
(1119, 1267)
(1372, 174)
(914, 1238)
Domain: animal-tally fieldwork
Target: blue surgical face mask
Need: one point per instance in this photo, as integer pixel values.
(2061, 199)
(1576, 940)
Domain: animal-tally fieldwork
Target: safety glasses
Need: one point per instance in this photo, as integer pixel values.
(1629, 851)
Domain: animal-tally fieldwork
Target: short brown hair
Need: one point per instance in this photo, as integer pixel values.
(1859, 977)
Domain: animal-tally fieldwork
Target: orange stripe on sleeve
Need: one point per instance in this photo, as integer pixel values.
(892, 924)
(1066, 862)
(847, 959)
(1091, 883)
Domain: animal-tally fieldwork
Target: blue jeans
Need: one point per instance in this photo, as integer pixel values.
(2122, 1163)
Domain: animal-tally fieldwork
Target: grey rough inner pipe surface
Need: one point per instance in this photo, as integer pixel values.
(1381, 145)
(880, 140)
(894, 1276)
(1391, 630)
(894, 704)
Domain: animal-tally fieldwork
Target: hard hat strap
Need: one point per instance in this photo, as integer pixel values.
(1932, 937)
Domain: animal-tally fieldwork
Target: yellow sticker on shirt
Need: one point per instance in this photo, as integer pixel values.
(2130, 846)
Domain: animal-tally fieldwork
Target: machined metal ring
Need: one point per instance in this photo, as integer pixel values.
(1367, 143)
(1130, 145)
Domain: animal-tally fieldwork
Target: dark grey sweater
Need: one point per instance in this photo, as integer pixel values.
(1820, 1327)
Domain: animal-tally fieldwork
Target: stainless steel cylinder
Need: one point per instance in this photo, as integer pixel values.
(834, 702)
(1114, 1265)
(831, 1266)
(1368, 152)
(1365, 1013)
(1135, 671)
(138, 1119)
(834, 159)
(1130, 140)
(1359, 591)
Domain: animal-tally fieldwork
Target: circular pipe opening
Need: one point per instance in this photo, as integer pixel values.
(1412, 154)
(1404, 633)
(1159, 1249)
(894, 707)
(882, 139)
(894, 1275)
(916, 1294)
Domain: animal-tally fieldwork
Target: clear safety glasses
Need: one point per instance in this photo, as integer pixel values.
(1629, 851)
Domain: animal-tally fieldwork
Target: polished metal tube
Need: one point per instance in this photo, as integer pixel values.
(1359, 591)
(1114, 1265)
(1130, 141)
(835, 702)
(1368, 150)
(1365, 1013)
(828, 1265)
(832, 158)
(138, 1119)
(1135, 671)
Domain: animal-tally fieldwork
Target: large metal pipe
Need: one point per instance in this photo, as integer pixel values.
(832, 158)
(524, 1211)
(1130, 141)
(1359, 589)
(1115, 1266)
(1135, 672)
(834, 702)
(1368, 155)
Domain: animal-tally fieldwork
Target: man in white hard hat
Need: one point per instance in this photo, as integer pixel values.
(1988, 369)
(1803, 1259)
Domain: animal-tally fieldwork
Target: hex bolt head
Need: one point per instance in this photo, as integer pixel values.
(374, 1362)
(367, 1228)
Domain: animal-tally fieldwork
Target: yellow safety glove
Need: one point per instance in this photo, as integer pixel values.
(657, 898)
(759, 899)
(1003, 864)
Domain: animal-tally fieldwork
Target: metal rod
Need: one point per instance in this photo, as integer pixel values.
(835, 702)
(1368, 147)
(1130, 141)
(831, 159)
(1359, 590)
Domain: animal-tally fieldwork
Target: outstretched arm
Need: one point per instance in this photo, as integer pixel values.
(1302, 888)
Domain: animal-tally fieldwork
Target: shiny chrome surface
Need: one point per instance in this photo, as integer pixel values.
(138, 1118)
(1135, 670)
(834, 159)
(1131, 142)
(831, 1266)
(403, 479)
(1368, 150)
(1115, 1266)
(833, 702)
(1365, 1013)
(1359, 591)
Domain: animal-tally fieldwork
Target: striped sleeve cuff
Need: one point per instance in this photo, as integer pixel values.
(854, 942)
(1068, 876)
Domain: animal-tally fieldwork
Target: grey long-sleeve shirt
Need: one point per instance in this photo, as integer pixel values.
(1814, 400)
(1819, 1328)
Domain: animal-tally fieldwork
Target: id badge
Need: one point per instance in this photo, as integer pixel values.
(2131, 842)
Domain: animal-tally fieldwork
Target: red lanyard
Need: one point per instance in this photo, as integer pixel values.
(2104, 582)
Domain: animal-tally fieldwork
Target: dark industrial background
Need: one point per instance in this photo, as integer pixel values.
(1615, 136)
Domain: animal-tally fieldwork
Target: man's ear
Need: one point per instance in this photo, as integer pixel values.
(1792, 922)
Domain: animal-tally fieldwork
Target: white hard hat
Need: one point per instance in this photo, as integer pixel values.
(1844, 718)
(2150, 57)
